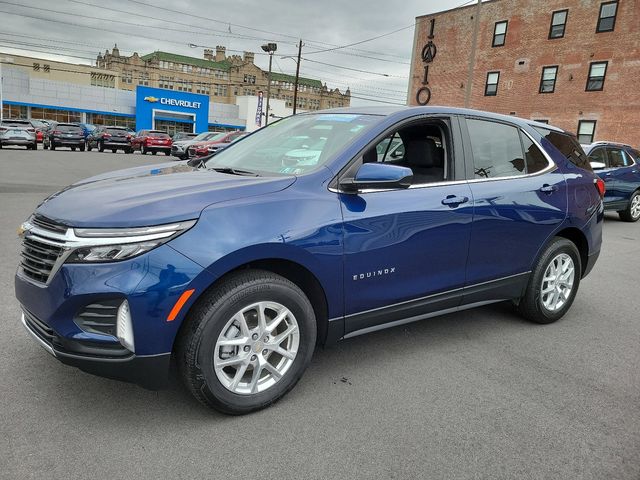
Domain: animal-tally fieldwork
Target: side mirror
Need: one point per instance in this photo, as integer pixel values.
(378, 176)
(398, 153)
(597, 165)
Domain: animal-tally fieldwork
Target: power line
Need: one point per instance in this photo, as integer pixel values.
(354, 69)
(362, 41)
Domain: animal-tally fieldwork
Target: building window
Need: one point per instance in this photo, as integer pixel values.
(586, 131)
(57, 115)
(499, 34)
(597, 73)
(607, 18)
(103, 80)
(541, 120)
(491, 88)
(46, 68)
(548, 79)
(558, 23)
(143, 79)
(36, 67)
(14, 111)
(112, 120)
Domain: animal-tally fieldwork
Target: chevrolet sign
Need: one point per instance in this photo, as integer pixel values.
(173, 102)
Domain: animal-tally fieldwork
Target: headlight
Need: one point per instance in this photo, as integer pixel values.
(115, 244)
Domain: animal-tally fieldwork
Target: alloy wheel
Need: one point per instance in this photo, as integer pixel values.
(557, 282)
(635, 207)
(256, 348)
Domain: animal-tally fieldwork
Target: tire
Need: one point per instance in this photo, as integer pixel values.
(114, 150)
(128, 150)
(82, 148)
(154, 152)
(45, 146)
(34, 146)
(143, 150)
(534, 305)
(73, 149)
(197, 347)
(632, 212)
(89, 147)
(100, 147)
(52, 146)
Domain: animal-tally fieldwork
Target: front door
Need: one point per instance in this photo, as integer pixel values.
(406, 249)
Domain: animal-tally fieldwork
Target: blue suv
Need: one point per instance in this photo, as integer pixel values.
(619, 166)
(317, 228)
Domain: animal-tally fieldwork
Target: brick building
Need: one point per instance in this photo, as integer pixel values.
(221, 77)
(571, 63)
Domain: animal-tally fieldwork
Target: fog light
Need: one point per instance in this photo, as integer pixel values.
(124, 327)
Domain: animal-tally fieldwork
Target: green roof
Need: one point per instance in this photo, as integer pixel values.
(198, 62)
(283, 77)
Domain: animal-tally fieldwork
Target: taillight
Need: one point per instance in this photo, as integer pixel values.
(600, 186)
(107, 135)
(128, 137)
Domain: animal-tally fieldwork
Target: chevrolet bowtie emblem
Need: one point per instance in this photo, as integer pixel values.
(150, 99)
(21, 230)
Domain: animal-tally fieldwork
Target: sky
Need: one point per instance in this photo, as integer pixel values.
(376, 71)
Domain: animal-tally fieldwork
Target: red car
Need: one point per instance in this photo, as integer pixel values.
(153, 141)
(201, 149)
(40, 126)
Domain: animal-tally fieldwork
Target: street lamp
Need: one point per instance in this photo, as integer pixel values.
(270, 48)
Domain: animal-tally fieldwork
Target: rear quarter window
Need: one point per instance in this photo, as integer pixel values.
(567, 145)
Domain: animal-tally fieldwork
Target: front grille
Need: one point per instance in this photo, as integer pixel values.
(41, 248)
(44, 222)
(38, 258)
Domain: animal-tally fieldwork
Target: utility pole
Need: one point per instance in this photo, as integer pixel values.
(472, 55)
(295, 84)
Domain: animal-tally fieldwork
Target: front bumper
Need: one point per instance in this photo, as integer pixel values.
(149, 371)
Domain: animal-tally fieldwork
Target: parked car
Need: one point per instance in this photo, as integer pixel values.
(153, 141)
(179, 147)
(619, 166)
(67, 135)
(109, 138)
(182, 136)
(18, 132)
(237, 269)
(87, 128)
(40, 126)
(216, 147)
(201, 149)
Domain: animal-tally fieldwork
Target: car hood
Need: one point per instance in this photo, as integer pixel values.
(151, 195)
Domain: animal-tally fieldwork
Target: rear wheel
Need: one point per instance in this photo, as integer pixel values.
(154, 152)
(82, 148)
(553, 283)
(632, 212)
(114, 150)
(89, 147)
(73, 149)
(247, 343)
(143, 150)
(128, 150)
(52, 146)
(100, 146)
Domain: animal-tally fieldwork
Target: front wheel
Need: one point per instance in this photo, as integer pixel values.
(247, 343)
(100, 147)
(553, 283)
(632, 212)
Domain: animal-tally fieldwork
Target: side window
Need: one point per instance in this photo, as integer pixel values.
(567, 145)
(534, 158)
(618, 158)
(421, 147)
(599, 155)
(497, 151)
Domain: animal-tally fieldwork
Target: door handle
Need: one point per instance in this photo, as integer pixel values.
(453, 200)
(546, 188)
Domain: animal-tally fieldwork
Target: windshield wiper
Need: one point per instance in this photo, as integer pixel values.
(234, 171)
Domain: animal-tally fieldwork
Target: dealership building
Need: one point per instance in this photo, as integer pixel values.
(43, 89)
(571, 63)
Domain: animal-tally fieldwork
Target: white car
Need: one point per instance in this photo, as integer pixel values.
(15, 134)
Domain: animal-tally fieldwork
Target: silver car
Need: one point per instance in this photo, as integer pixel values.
(179, 148)
(18, 134)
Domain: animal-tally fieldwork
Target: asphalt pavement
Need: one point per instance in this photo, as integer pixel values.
(475, 395)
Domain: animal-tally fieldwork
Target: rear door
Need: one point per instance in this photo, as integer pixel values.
(624, 172)
(599, 156)
(519, 199)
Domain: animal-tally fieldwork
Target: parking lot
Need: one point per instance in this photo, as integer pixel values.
(473, 395)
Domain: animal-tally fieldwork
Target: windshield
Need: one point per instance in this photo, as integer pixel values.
(294, 145)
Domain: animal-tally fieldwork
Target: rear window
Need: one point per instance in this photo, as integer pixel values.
(116, 131)
(635, 154)
(20, 123)
(159, 135)
(69, 129)
(567, 145)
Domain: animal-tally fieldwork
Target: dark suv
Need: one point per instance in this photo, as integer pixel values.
(68, 135)
(234, 270)
(109, 138)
